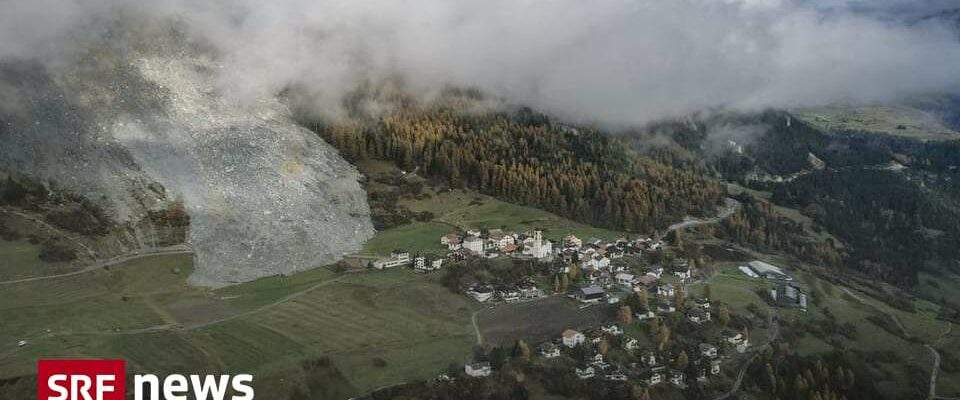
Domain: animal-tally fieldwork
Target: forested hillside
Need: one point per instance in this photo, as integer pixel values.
(894, 227)
(525, 157)
(758, 225)
(892, 201)
(892, 224)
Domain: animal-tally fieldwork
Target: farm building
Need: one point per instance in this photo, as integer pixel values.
(767, 271)
(789, 295)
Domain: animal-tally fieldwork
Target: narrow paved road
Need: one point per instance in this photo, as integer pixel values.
(736, 384)
(771, 335)
(935, 369)
(729, 207)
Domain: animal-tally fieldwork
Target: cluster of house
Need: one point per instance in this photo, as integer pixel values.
(593, 253)
(526, 289)
(605, 278)
(653, 367)
(495, 243)
(697, 312)
(421, 263)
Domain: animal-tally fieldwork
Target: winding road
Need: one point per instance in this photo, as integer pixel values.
(727, 209)
(771, 335)
(935, 367)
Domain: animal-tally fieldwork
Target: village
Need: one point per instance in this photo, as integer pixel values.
(615, 274)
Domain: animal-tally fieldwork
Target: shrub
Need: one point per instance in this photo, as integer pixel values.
(86, 219)
(8, 233)
(56, 251)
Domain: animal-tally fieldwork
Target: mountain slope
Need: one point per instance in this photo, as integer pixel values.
(136, 122)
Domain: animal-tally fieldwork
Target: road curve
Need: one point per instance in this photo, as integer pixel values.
(729, 207)
(771, 335)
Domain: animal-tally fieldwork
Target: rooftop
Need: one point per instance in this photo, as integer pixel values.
(591, 290)
(570, 333)
(761, 267)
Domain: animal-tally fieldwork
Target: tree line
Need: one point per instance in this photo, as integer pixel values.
(524, 157)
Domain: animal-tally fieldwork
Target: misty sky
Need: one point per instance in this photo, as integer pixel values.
(617, 62)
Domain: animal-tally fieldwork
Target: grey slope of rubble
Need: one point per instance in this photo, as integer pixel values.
(264, 195)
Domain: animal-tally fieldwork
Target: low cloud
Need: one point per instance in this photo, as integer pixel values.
(612, 62)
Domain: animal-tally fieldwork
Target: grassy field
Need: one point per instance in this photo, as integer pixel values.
(732, 287)
(459, 210)
(897, 121)
(940, 286)
(416, 237)
(948, 383)
(471, 210)
(122, 297)
(20, 259)
(538, 321)
(377, 328)
(416, 326)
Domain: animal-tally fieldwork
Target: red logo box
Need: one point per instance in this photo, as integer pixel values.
(81, 379)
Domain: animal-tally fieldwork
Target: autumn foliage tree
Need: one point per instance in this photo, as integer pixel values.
(525, 157)
(625, 314)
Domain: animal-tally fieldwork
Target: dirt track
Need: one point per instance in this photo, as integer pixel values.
(178, 249)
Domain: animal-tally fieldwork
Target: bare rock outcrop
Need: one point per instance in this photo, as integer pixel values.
(137, 122)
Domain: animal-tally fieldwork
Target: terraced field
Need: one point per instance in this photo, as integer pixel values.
(413, 325)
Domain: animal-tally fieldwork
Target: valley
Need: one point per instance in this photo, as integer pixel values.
(480, 200)
(141, 308)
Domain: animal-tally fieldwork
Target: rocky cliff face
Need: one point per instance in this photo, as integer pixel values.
(135, 121)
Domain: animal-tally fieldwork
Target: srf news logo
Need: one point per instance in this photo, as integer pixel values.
(107, 379)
